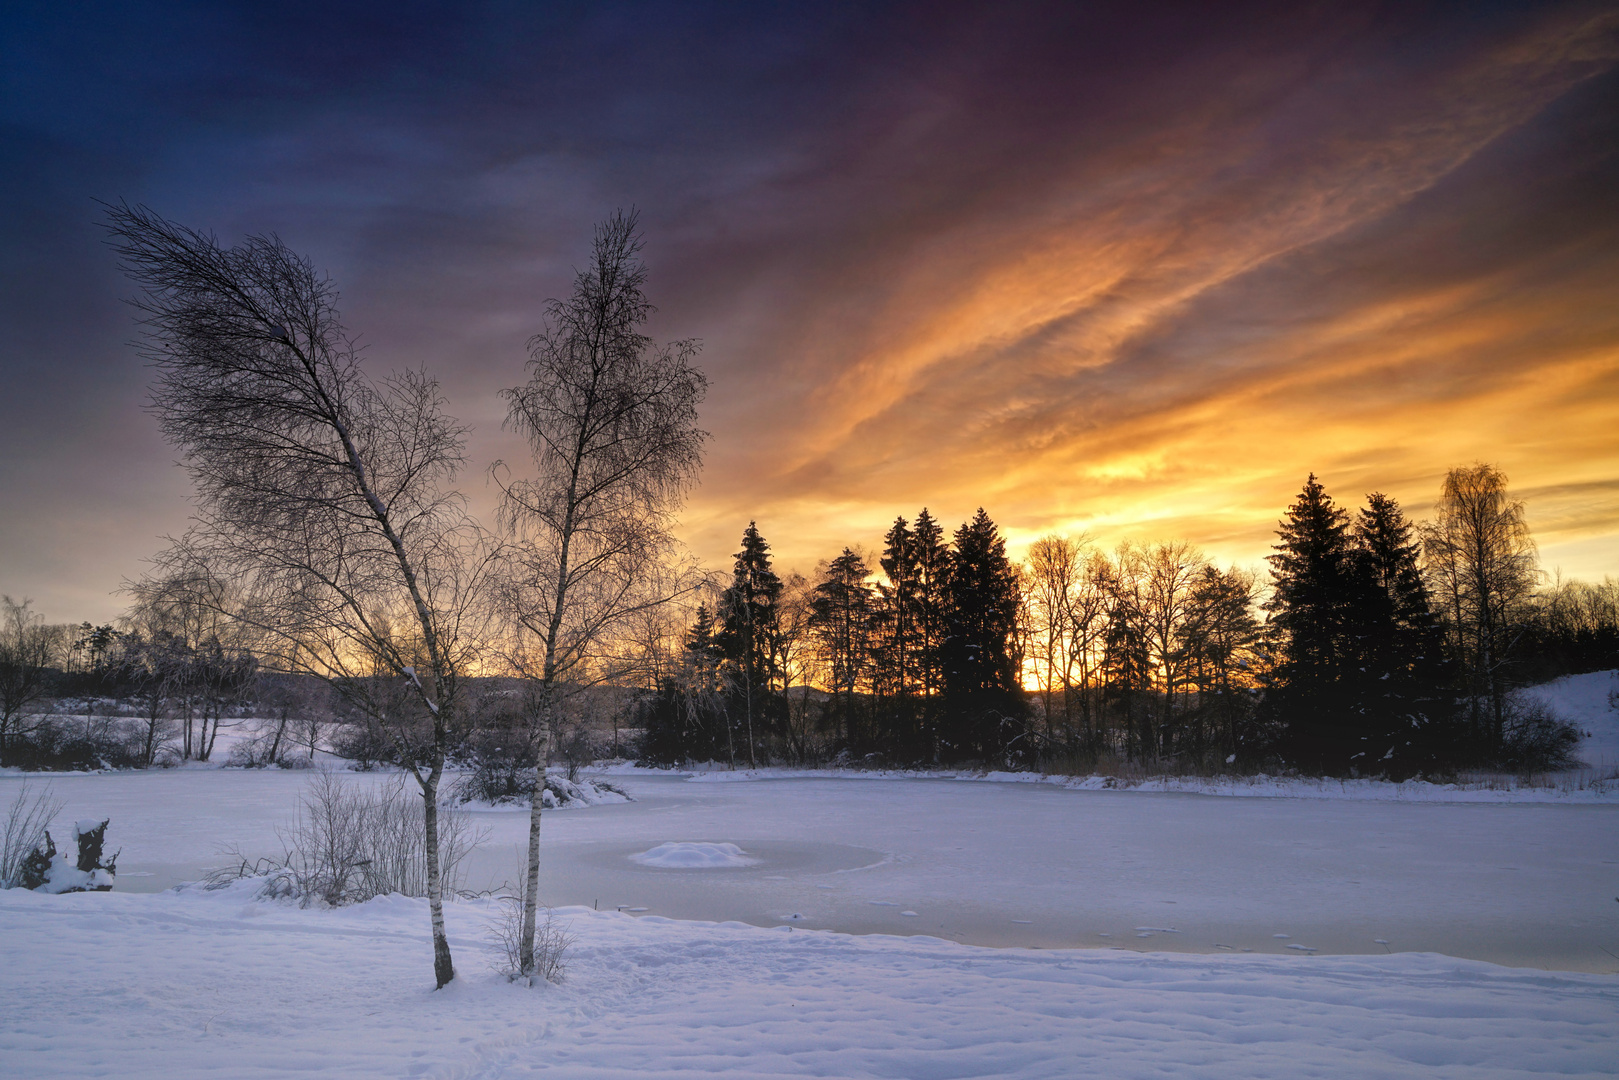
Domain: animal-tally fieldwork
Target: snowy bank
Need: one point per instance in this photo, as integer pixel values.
(1574, 788)
(200, 984)
(1590, 702)
(560, 794)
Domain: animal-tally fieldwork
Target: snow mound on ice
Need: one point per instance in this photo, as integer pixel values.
(693, 855)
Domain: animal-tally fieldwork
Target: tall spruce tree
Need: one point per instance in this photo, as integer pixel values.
(1319, 628)
(747, 635)
(1404, 643)
(931, 562)
(840, 620)
(895, 641)
(896, 647)
(981, 659)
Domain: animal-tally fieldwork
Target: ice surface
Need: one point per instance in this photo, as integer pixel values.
(1528, 884)
(693, 855)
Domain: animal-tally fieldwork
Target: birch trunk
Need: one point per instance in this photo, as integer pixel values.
(531, 878)
(443, 970)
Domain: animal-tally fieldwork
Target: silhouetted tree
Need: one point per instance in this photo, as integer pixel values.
(1575, 628)
(612, 424)
(1316, 687)
(896, 632)
(931, 567)
(685, 714)
(840, 620)
(1167, 574)
(322, 495)
(1218, 638)
(981, 662)
(27, 649)
(1054, 577)
(794, 656)
(1127, 655)
(748, 625)
(1407, 699)
(1482, 563)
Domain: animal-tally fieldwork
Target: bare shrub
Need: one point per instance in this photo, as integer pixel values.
(551, 942)
(29, 815)
(348, 845)
(1535, 738)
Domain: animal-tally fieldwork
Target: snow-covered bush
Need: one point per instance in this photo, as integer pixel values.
(27, 820)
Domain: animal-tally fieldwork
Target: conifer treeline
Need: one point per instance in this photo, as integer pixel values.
(1375, 647)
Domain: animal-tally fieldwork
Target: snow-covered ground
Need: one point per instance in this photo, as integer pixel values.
(218, 985)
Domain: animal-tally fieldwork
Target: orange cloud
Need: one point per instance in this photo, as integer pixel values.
(1161, 341)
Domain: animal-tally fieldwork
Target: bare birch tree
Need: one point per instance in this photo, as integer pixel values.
(1483, 566)
(1053, 572)
(27, 647)
(323, 495)
(611, 420)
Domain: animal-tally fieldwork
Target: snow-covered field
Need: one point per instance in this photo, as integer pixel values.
(780, 925)
(218, 985)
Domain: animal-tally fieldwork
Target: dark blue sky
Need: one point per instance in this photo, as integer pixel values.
(1127, 268)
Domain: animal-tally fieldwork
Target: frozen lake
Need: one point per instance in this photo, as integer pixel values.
(993, 864)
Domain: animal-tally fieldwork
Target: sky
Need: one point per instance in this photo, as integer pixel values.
(1129, 270)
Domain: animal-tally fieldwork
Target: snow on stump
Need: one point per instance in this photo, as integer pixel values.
(49, 871)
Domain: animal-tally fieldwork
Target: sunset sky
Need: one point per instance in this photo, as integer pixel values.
(1132, 269)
